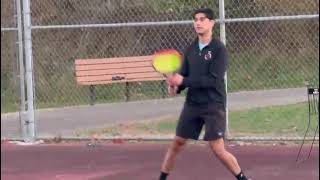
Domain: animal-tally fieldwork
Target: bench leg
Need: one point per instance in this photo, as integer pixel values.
(164, 89)
(92, 95)
(127, 93)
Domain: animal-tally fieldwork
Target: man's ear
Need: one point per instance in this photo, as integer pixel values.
(213, 22)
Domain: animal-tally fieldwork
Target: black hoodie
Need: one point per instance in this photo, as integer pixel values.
(203, 73)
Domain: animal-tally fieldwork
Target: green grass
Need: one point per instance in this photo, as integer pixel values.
(9, 107)
(9, 101)
(275, 121)
(290, 120)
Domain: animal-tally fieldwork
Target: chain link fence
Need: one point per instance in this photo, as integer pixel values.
(61, 45)
(8, 57)
(264, 55)
(273, 54)
(11, 67)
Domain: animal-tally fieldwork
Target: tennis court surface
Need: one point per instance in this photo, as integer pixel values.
(141, 161)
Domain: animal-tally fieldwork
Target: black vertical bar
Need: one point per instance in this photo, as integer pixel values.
(92, 95)
(317, 104)
(311, 102)
(164, 89)
(127, 91)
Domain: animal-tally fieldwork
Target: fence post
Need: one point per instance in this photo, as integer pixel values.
(22, 111)
(223, 39)
(30, 123)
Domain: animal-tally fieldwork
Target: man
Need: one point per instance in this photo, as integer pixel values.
(204, 66)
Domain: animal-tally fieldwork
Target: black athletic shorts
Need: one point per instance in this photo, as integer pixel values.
(192, 119)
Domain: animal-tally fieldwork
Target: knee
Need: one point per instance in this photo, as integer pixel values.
(178, 144)
(218, 151)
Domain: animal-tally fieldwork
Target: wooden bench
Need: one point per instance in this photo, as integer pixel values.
(92, 72)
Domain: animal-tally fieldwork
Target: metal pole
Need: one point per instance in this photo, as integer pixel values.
(29, 71)
(223, 39)
(21, 76)
(167, 23)
(273, 18)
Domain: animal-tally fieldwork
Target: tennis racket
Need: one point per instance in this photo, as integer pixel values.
(167, 62)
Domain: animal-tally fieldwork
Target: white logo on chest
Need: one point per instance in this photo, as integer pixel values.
(208, 56)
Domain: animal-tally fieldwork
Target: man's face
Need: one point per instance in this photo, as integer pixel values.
(202, 24)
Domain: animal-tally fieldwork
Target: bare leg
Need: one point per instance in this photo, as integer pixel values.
(229, 161)
(172, 153)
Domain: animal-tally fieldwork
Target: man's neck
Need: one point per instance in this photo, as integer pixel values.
(205, 38)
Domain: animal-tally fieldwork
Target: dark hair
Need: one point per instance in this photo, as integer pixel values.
(207, 11)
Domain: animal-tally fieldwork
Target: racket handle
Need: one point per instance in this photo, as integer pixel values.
(172, 90)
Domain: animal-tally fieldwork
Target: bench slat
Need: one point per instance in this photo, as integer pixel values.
(114, 71)
(144, 75)
(125, 76)
(113, 66)
(120, 81)
(112, 60)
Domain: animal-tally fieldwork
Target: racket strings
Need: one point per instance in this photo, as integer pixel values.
(167, 61)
